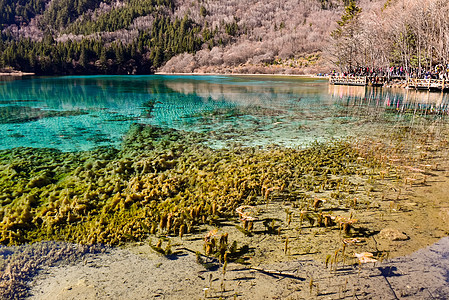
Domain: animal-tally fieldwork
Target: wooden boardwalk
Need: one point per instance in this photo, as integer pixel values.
(348, 80)
(427, 84)
(412, 83)
(357, 80)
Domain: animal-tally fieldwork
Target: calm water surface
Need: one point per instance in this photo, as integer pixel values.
(81, 113)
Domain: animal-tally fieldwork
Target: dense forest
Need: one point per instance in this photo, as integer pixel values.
(291, 36)
(86, 36)
(142, 36)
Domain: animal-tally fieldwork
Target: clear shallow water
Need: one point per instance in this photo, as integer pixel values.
(81, 113)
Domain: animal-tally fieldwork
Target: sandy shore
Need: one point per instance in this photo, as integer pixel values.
(130, 274)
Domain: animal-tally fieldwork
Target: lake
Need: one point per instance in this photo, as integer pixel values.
(114, 159)
(84, 112)
(248, 169)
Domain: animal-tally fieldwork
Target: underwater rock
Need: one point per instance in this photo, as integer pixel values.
(393, 234)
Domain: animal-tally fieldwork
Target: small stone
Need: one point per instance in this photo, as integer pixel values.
(393, 234)
(81, 282)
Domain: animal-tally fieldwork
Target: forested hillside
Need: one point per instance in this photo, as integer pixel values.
(290, 36)
(90, 36)
(141, 36)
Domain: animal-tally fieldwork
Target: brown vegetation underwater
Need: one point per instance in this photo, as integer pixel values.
(240, 204)
(162, 182)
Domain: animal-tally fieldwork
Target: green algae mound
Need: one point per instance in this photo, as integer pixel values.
(161, 181)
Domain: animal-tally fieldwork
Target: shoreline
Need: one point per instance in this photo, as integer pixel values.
(136, 271)
(243, 74)
(17, 74)
(20, 74)
(417, 276)
(143, 273)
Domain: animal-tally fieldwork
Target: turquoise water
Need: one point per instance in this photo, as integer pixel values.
(81, 113)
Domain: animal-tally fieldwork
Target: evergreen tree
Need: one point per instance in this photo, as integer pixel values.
(346, 37)
(83, 58)
(151, 48)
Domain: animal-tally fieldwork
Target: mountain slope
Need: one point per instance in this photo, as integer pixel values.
(142, 36)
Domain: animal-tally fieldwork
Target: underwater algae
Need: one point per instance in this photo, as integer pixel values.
(18, 265)
(168, 188)
(246, 205)
(22, 114)
(160, 181)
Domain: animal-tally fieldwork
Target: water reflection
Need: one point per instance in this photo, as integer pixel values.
(252, 90)
(108, 105)
(401, 100)
(84, 112)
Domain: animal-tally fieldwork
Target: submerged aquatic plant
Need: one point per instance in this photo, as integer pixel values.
(18, 265)
(161, 181)
(345, 223)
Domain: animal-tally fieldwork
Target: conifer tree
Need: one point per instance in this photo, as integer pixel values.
(346, 37)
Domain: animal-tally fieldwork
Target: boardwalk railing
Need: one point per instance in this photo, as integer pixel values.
(419, 84)
(348, 80)
(429, 84)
